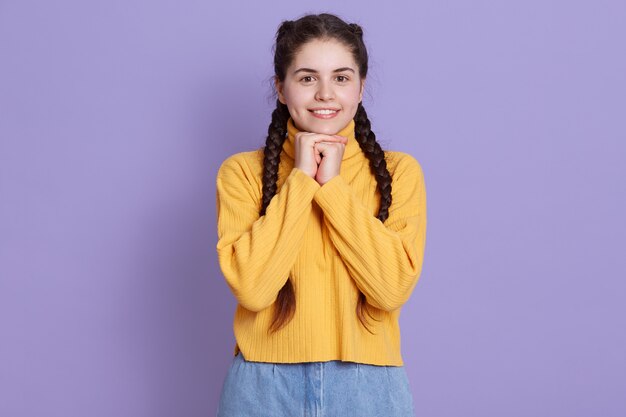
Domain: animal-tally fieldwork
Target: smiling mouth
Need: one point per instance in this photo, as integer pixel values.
(324, 112)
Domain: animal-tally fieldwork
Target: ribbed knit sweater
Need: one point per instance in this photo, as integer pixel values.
(330, 243)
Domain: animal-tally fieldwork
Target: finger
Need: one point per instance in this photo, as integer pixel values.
(328, 143)
(324, 147)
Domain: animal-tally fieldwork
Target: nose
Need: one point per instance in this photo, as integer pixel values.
(324, 91)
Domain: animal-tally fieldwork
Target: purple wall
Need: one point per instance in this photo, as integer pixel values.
(114, 118)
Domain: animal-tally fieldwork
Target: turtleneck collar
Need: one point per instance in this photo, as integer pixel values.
(352, 147)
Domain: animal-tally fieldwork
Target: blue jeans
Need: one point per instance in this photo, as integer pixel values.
(307, 389)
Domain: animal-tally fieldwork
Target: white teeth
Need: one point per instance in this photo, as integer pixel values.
(324, 111)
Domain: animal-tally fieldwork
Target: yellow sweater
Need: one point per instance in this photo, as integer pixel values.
(328, 239)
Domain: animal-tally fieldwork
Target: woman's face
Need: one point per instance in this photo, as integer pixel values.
(323, 75)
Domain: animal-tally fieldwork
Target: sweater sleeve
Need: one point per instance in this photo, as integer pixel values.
(384, 259)
(255, 252)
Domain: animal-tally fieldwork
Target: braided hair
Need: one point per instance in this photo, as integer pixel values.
(290, 37)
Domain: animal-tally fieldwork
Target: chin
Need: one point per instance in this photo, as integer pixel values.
(327, 130)
(328, 127)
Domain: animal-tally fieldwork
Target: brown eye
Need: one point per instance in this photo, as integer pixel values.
(305, 78)
(343, 77)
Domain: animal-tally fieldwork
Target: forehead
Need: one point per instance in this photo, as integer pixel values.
(323, 55)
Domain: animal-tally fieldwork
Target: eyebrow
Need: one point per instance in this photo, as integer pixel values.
(315, 71)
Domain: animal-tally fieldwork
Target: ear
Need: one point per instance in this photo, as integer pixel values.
(279, 89)
(362, 89)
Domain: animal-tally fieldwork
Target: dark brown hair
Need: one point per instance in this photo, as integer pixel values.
(290, 37)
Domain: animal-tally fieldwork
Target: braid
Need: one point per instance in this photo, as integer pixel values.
(376, 156)
(273, 147)
(276, 135)
(378, 166)
(356, 29)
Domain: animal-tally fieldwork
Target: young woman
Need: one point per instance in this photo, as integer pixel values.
(321, 237)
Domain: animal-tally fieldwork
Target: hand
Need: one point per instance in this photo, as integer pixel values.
(330, 161)
(307, 157)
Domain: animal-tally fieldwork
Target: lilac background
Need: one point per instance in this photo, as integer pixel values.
(115, 116)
